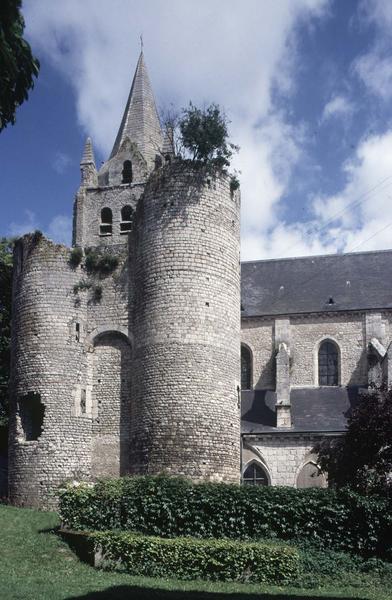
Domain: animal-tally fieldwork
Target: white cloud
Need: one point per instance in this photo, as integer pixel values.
(338, 106)
(225, 51)
(61, 162)
(60, 229)
(374, 67)
(29, 223)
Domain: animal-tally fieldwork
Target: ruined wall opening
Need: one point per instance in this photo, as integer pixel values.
(31, 412)
(105, 227)
(310, 476)
(126, 219)
(127, 174)
(111, 404)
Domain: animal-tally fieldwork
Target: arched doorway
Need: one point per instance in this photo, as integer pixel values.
(111, 404)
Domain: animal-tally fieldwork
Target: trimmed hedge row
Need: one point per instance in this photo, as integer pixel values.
(189, 558)
(169, 507)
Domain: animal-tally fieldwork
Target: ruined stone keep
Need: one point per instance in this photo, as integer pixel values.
(134, 351)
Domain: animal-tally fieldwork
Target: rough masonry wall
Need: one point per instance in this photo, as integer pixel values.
(347, 329)
(258, 335)
(282, 457)
(185, 417)
(87, 213)
(306, 332)
(74, 352)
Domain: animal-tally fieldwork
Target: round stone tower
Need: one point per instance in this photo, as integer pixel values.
(186, 324)
(48, 443)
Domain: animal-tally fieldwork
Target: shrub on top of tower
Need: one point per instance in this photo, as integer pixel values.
(201, 136)
(204, 134)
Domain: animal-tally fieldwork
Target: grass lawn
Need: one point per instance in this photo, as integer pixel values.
(36, 565)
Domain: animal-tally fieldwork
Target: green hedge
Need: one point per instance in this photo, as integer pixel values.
(169, 507)
(189, 558)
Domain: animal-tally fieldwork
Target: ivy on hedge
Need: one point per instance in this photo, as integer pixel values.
(189, 558)
(341, 520)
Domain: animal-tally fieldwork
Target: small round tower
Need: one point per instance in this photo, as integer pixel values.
(185, 418)
(49, 443)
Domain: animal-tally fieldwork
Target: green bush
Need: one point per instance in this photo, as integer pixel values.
(100, 263)
(75, 257)
(189, 558)
(340, 520)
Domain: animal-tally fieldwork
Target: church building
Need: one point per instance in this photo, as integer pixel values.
(148, 347)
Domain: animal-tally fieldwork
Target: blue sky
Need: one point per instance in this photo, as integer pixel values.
(307, 85)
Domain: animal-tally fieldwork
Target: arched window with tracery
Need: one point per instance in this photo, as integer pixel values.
(246, 368)
(105, 227)
(328, 363)
(126, 219)
(255, 474)
(127, 174)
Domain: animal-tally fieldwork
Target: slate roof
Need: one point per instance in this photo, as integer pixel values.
(355, 281)
(323, 409)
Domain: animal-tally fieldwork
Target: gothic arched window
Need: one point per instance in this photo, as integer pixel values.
(254, 474)
(127, 175)
(246, 368)
(106, 221)
(328, 363)
(126, 219)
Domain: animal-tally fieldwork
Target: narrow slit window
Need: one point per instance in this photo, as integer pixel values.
(83, 409)
(106, 221)
(127, 174)
(77, 332)
(126, 219)
(246, 368)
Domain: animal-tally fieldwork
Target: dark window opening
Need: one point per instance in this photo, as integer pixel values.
(158, 161)
(168, 158)
(31, 412)
(83, 402)
(246, 368)
(126, 219)
(106, 221)
(77, 332)
(127, 175)
(254, 474)
(328, 364)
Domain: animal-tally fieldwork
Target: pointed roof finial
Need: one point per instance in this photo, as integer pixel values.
(88, 153)
(141, 42)
(140, 122)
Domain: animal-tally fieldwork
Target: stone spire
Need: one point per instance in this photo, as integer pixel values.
(87, 165)
(88, 153)
(140, 122)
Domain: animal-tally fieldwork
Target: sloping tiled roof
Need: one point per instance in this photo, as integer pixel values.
(327, 283)
(323, 409)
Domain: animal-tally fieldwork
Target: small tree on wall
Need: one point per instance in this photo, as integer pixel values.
(362, 458)
(201, 135)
